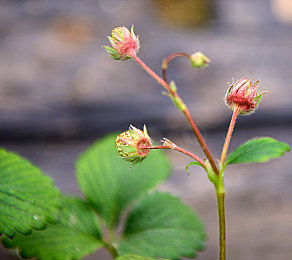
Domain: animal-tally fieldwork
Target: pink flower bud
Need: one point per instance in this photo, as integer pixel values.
(132, 145)
(243, 95)
(124, 44)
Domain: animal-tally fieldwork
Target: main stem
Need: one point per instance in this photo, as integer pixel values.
(200, 139)
(220, 192)
(222, 228)
(111, 250)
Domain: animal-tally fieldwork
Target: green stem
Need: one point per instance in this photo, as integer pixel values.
(108, 243)
(111, 249)
(222, 229)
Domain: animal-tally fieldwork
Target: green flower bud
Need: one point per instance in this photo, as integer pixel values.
(199, 60)
(133, 145)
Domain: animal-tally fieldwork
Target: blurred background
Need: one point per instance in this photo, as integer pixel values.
(59, 91)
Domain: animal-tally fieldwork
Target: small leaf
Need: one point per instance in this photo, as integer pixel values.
(193, 163)
(136, 257)
(76, 235)
(258, 150)
(162, 226)
(110, 184)
(28, 199)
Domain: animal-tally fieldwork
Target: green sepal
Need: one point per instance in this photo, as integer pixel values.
(110, 50)
(177, 102)
(172, 86)
(114, 54)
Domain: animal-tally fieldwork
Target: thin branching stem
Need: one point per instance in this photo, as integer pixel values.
(179, 149)
(168, 59)
(185, 111)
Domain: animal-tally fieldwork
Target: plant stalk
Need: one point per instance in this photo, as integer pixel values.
(168, 59)
(185, 111)
(179, 149)
(222, 228)
(162, 82)
(228, 136)
(201, 140)
(111, 249)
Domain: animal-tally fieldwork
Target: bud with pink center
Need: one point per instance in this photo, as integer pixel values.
(243, 96)
(133, 144)
(124, 43)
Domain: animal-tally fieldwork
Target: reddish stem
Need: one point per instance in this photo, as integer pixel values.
(153, 74)
(228, 136)
(201, 140)
(168, 59)
(198, 159)
(185, 111)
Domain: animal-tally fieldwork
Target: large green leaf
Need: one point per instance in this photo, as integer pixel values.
(258, 150)
(110, 184)
(76, 235)
(28, 198)
(162, 226)
(136, 257)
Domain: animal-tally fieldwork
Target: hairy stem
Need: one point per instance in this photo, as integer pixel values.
(222, 228)
(179, 149)
(228, 136)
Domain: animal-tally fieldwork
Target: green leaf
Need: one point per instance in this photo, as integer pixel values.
(258, 150)
(110, 184)
(28, 199)
(162, 226)
(136, 257)
(193, 163)
(76, 235)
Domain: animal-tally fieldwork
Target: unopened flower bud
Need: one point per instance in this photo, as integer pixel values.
(199, 60)
(124, 43)
(133, 144)
(243, 95)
